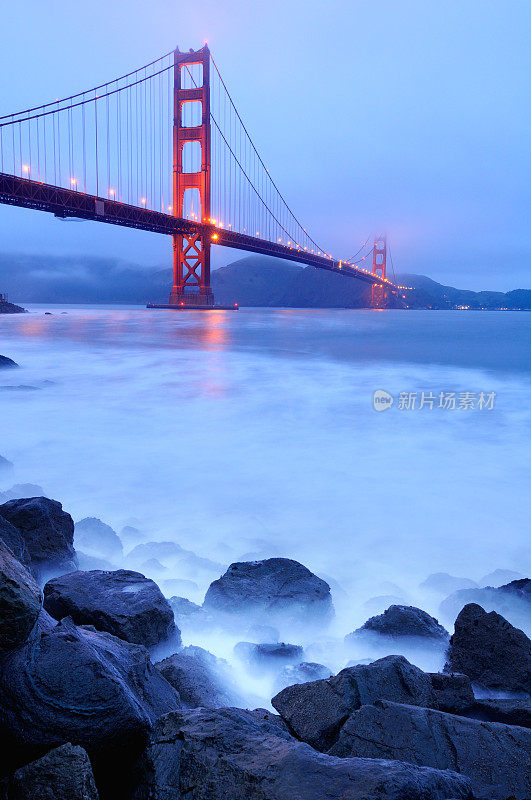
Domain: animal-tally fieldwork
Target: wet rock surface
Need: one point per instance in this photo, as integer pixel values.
(232, 754)
(496, 758)
(515, 711)
(200, 678)
(403, 621)
(121, 602)
(453, 692)
(316, 711)
(47, 531)
(20, 600)
(64, 773)
(268, 588)
(490, 650)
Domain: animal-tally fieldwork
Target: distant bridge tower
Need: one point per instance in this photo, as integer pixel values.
(191, 253)
(379, 268)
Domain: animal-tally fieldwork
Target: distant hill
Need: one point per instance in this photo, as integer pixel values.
(251, 281)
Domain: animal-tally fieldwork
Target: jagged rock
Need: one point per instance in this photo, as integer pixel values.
(402, 621)
(304, 672)
(263, 590)
(316, 711)
(71, 684)
(230, 754)
(121, 602)
(490, 650)
(500, 577)
(445, 584)
(64, 773)
(266, 657)
(7, 363)
(47, 530)
(97, 539)
(509, 712)
(200, 678)
(453, 692)
(20, 600)
(12, 537)
(496, 758)
(512, 601)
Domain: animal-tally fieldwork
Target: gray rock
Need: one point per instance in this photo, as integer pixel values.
(20, 600)
(7, 363)
(274, 587)
(490, 650)
(453, 692)
(509, 712)
(304, 672)
(64, 773)
(403, 621)
(267, 657)
(121, 602)
(316, 711)
(47, 530)
(496, 758)
(96, 538)
(229, 754)
(200, 678)
(71, 684)
(512, 601)
(444, 584)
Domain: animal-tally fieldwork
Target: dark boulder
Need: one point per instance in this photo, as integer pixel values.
(96, 538)
(453, 692)
(12, 537)
(490, 650)
(121, 602)
(316, 711)
(7, 363)
(200, 678)
(275, 587)
(403, 621)
(20, 600)
(496, 758)
(47, 530)
(70, 684)
(230, 754)
(516, 711)
(512, 601)
(64, 773)
(444, 584)
(304, 672)
(268, 657)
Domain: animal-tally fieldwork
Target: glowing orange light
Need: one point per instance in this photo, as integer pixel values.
(112, 192)
(73, 181)
(215, 236)
(143, 200)
(25, 168)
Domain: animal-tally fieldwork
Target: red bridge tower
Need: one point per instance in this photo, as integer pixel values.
(379, 268)
(191, 253)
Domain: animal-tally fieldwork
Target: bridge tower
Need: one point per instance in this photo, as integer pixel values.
(191, 252)
(379, 268)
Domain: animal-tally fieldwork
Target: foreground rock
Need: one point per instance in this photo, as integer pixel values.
(121, 602)
(64, 773)
(403, 621)
(69, 684)
(453, 692)
(496, 758)
(7, 363)
(490, 651)
(232, 754)
(316, 711)
(12, 537)
(95, 538)
(200, 678)
(509, 712)
(20, 600)
(275, 587)
(47, 531)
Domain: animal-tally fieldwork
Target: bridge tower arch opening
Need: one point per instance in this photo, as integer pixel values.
(379, 269)
(191, 104)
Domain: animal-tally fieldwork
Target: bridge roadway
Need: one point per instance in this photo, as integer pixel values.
(64, 203)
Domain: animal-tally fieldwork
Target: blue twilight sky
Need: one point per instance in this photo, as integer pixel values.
(409, 116)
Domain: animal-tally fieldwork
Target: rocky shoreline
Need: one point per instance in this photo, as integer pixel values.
(10, 308)
(88, 710)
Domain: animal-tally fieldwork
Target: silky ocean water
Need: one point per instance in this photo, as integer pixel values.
(251, 434)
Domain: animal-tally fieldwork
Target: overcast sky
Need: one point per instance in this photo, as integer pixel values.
(409, 116)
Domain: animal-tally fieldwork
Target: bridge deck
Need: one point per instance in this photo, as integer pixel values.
(64, 203)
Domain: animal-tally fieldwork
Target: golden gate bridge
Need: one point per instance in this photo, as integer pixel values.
(164, 149)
